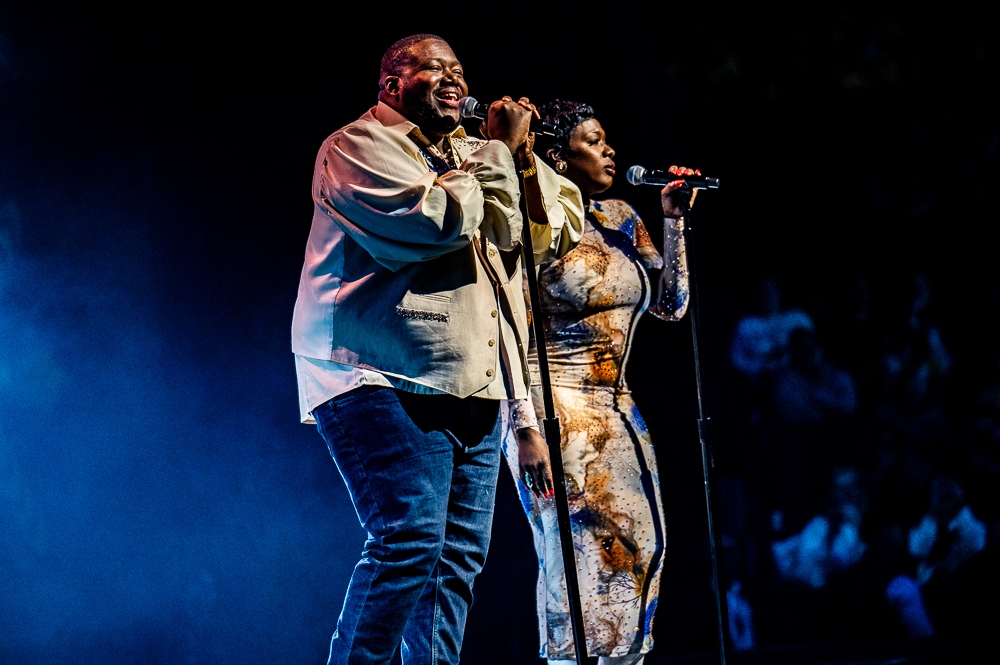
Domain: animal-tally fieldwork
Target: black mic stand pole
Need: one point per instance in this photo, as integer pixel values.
(553, 438)
(704, 436)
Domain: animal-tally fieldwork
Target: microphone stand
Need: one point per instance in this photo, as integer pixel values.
(704, 436)
(553, 438)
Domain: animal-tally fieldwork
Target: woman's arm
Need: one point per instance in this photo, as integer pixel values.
(532, 451)
(672, 284)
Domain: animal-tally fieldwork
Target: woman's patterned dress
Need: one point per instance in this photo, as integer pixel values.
(591, 300)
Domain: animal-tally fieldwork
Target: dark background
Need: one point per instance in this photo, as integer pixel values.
(160, 503)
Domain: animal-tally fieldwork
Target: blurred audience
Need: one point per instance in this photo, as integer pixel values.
(760, 345)
(909, 531)
(829, 542)
(947, 537)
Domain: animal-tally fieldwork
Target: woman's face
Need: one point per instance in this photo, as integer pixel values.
(588, 158)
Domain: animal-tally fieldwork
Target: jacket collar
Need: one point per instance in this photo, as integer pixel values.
(389, 118)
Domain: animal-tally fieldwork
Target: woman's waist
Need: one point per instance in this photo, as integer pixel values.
(570, 393)
(574, 355)
(580, 377)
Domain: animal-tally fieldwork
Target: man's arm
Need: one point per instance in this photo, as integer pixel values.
(373, 183)
(554, 204)
(564, 213)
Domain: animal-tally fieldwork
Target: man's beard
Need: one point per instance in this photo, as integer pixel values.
(428, 118)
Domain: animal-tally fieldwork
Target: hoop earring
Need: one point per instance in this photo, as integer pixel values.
(561, 166)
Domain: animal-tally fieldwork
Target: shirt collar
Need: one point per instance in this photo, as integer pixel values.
(389, 118)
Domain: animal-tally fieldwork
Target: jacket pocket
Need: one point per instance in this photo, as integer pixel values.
(425, 307)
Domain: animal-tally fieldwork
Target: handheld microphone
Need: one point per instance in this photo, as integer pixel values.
(468, 107)
(638, 175)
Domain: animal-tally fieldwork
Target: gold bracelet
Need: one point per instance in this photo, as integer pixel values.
(530, 171)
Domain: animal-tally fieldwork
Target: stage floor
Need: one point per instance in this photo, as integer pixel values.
(895, 652)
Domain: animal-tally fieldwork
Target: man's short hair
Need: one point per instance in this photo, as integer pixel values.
(396, 56)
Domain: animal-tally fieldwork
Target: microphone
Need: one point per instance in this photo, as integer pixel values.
(469, 107)
(638, 175)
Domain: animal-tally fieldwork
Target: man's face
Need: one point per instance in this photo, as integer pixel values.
(429, 87)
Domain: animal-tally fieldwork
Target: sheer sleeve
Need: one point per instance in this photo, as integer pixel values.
(672, 287)
(651, 259)
(522, 413)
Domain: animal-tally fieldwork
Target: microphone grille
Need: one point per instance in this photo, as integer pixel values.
(635, 175)
(467, 107)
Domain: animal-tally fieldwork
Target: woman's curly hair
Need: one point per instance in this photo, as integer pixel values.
(565, 116)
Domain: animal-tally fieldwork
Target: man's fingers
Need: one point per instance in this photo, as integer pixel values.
(526, 103)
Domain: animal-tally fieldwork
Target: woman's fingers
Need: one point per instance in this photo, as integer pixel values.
(530, 479)
(671, 187)
(538, 479)
(544, 481)
(550, 489)
(533, 462)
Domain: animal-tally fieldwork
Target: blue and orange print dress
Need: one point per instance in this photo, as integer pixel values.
(591, 300)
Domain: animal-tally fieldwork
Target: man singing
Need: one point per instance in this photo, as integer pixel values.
(409, 328)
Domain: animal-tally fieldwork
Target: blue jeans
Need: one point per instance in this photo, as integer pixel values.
(422, 473)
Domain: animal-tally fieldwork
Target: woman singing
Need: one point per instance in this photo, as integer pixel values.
(591, 300)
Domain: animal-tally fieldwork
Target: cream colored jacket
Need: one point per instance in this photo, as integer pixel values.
(402, 275)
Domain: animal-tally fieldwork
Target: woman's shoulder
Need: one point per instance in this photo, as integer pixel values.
(618, 215)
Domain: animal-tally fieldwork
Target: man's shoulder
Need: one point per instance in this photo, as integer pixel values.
(367, 134)
(363, 125)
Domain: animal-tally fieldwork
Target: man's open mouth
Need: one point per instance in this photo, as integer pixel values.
(448, 97)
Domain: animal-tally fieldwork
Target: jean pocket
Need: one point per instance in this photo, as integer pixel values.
(355, 394)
